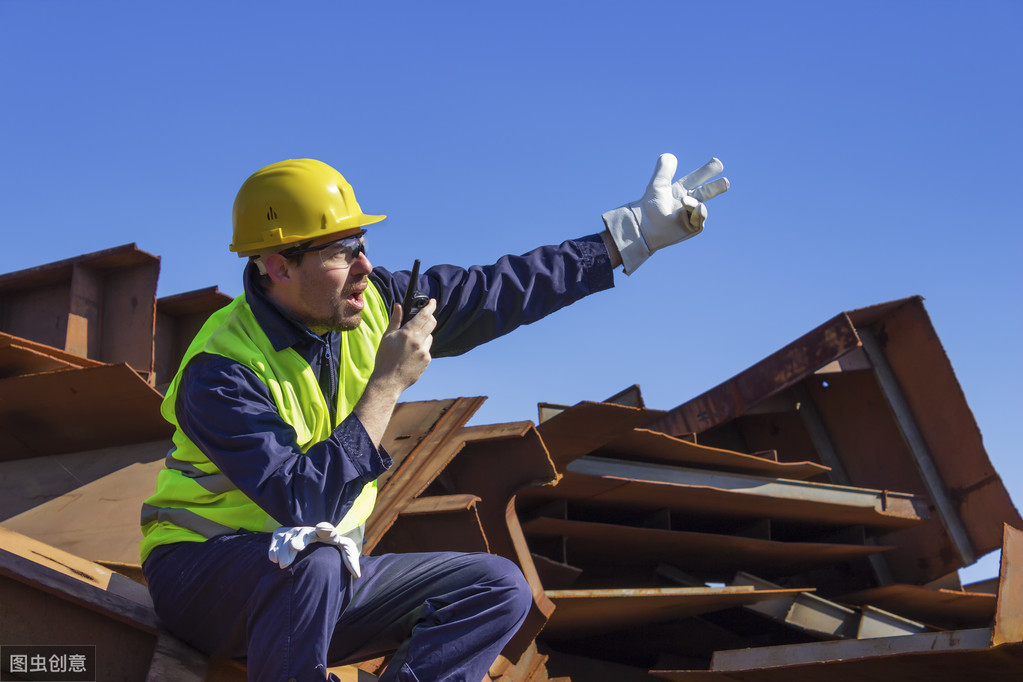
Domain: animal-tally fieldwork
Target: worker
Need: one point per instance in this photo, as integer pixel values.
(252, 539)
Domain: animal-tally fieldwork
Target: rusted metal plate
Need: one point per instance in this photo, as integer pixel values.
(78, 409)
(644, 445)
(706, 554)
(22, 356)
(98, 521)
(100, 305)
(949, 609)
(581, 613)
(583, 428)
(25, 484)
(772, 375)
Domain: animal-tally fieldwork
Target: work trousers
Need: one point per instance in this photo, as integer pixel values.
(445, 616)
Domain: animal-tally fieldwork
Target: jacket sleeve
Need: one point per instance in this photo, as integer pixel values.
(481, 303)
(229, 414)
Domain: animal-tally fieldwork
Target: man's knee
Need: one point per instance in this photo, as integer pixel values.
(505, 578)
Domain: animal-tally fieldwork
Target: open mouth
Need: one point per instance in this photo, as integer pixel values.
(355, 299)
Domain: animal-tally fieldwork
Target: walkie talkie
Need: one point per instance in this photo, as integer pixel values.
(414, 300)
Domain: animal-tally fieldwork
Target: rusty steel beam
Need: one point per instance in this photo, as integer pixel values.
(946, 508)
(948, 609)
(891, 416)
(417, 469)
(994, 653)
(934, 397)
(444, 523)
(99, 305)
(583, 428)
(724, 493)
(791, 655)
(498, 461)
(770, 376)
(582, 613)
(708, 554)
(644, 445)
(825, 618)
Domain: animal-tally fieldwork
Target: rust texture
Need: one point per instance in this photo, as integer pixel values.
(704, 542)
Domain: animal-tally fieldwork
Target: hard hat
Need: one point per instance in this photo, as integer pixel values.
(293, 201)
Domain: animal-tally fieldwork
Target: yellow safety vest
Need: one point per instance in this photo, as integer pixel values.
(194, 501)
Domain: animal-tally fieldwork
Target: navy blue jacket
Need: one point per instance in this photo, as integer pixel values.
(229, 413)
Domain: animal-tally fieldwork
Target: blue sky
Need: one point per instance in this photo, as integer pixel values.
(873, 150)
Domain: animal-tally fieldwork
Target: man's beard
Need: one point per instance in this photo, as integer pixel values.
(338, 318)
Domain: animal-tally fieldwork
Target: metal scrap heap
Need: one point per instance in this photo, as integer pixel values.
(805, 519)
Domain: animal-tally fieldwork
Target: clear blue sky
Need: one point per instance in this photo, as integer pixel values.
(874, 151)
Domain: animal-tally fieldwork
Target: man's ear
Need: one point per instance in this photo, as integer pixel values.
(278, 268)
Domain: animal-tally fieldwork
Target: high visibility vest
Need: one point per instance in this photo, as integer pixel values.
(194, 501)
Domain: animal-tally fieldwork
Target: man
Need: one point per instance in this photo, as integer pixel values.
(252, 539)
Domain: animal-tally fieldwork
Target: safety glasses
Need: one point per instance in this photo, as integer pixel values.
(337, 254)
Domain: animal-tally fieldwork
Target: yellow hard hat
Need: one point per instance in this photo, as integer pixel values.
(293, 201)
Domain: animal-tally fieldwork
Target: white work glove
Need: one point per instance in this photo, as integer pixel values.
(286, 543)
(666, 214)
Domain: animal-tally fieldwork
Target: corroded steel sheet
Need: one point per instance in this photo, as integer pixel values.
(98, 521)
(77, 409)
(25, 484)
(21, 356)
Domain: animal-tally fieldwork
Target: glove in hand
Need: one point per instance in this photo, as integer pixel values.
(667, 213)
(286, 543)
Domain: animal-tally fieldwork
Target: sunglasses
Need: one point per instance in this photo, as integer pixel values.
(337, 254)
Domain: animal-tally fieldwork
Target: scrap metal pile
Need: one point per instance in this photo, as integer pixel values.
(803, 520)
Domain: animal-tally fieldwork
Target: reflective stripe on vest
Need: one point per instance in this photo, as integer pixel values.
(194, 500)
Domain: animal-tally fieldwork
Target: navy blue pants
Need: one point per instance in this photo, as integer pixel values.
(445, 616)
